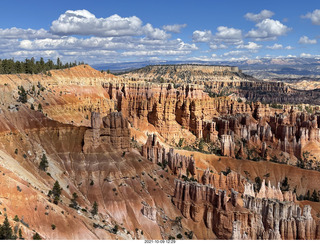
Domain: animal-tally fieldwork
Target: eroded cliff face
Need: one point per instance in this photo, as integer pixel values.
(226, 80)
(245, 215)
(95, 130)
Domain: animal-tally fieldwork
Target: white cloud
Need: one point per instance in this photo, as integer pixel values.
(275, 46)
(223, 34)
(306, 40)
(268, 29)
(155, 33)
(155, 53)
(18, 33)
(314, 17)
(106, 47)
(82, 22)
(218, 46)
(264, 14)
(227, 34)
(234, 53)
(250, 46)
(174, 28)
(306, 55)
(202, 36)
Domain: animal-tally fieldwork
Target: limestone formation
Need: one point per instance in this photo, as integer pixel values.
(179, 164)
(110, 133)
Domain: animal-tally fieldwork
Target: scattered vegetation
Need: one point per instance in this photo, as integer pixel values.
(43, 163)
(227, 171)
(36, 236)
(16, 218)
(285, 185)
(115, 229)
(23, 98)
(94, 210)
(74, 203)
(6, 232)
(56, 192)
(258, 183)
(276, 106)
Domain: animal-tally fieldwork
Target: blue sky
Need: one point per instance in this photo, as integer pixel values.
(118, 31)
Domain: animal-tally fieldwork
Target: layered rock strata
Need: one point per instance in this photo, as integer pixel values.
(112, 129)
(266, 219)
(179, 164)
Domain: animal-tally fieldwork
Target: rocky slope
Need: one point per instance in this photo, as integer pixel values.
(226, 80)
(131, 147)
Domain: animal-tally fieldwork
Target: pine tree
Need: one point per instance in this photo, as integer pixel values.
(22, 95)
(20, 235)
(94, 210)
(307, 196)
(56, 192)
(39, 107)
(36, 236)
(74, 203)
(314, 196)
(43, 163)
(6, 232)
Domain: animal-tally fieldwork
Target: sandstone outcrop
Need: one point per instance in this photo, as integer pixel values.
(109, 133)
(179, 164)
(267, 219)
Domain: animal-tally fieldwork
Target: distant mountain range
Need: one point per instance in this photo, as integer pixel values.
(264, 68)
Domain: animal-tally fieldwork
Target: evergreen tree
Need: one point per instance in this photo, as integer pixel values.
(284, 185)
(20, 234)
(314, 196)
(43, 163)
(74, 203)
(94, 210)
(258, 184)
(39, 107)
(22, 95)
(36, 236)
(56, 192)
(307, 196)
(6, 232)
(30, 66)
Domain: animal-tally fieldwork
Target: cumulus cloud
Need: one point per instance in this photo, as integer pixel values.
(235, 53)
(155, 33)
(223, 34)
(306, 40)
(227, 34)
(87, 48)
(314, 16)
(202, 36)
(275, 46)
(268, 29)
(174, 28)
(82, 22)
(18, 33)
(306, 55)
(264, 14)
(250, 46)
(219, 46)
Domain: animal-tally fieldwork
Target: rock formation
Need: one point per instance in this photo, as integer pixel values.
(112, 129)
(179, 164)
